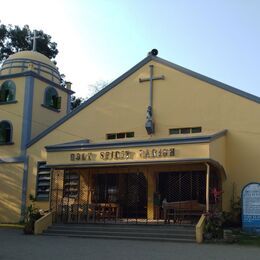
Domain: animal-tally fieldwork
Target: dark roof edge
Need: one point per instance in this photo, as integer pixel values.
(152, 162)
(20, 159)
(157, 162)
(218, 134)
(136, 143)
(208, 80)
(32, 73)
(127, 74)
(92, 99)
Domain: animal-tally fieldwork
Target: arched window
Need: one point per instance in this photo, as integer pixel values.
(5, 132)
(7, 91)
(52, 99)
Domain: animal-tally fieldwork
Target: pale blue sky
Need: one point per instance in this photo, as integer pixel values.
(100, 40)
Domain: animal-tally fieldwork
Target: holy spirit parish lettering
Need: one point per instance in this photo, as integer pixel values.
(124, 155)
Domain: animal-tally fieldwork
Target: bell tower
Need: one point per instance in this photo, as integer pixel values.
(31, 94)
(31, 100)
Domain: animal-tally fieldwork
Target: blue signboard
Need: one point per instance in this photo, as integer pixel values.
(251, 207)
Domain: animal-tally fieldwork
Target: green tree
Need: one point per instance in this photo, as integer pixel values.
(75, 102)
(15, 38)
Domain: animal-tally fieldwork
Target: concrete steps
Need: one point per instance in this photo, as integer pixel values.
(170, 233)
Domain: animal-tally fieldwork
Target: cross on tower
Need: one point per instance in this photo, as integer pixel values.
(149, 125)
(34, 40)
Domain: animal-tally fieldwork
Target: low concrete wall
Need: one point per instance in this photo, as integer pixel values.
(200, 229)
(43, 223)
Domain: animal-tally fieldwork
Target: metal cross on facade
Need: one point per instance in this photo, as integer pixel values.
(149, 125)
(34, 40)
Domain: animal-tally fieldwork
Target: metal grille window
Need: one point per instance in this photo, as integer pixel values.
(174, 131)
(185, 130)
(196, 129)
(43, 182)
(111, 136)
(5, 132)
(52, 99)
(7, 91)
(121, 135)
(130, 134)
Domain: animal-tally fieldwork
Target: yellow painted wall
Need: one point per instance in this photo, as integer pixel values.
(14, 114)
(11, 176)
(217, 151)
(43, 117)
(179, 101)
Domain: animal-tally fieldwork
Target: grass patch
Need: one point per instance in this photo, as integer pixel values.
(11, 226)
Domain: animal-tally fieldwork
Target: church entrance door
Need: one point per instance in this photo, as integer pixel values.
(91, 197)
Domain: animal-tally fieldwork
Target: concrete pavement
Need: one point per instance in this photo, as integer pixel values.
(15, 245)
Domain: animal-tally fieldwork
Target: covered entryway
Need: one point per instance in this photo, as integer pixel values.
(128, 190)
(185, 194)
(151, 181)
(130, 194)
(90, 196)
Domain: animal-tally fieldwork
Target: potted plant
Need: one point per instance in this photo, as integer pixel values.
(31, 215)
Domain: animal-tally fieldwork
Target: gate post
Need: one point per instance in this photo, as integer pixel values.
(151, 183)
(207, 187)
(56, 195)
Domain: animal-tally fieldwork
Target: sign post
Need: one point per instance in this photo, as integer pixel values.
(251, 207)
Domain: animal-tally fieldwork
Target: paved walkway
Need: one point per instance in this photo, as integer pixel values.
(15, 245)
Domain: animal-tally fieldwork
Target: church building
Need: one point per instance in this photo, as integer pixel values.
(160, 134)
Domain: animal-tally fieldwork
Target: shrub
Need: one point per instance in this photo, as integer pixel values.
(213, 227)
(31, 215)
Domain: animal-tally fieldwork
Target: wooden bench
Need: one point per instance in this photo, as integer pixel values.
(180, 209)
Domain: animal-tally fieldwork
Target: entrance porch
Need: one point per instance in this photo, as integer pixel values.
(155, 193)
